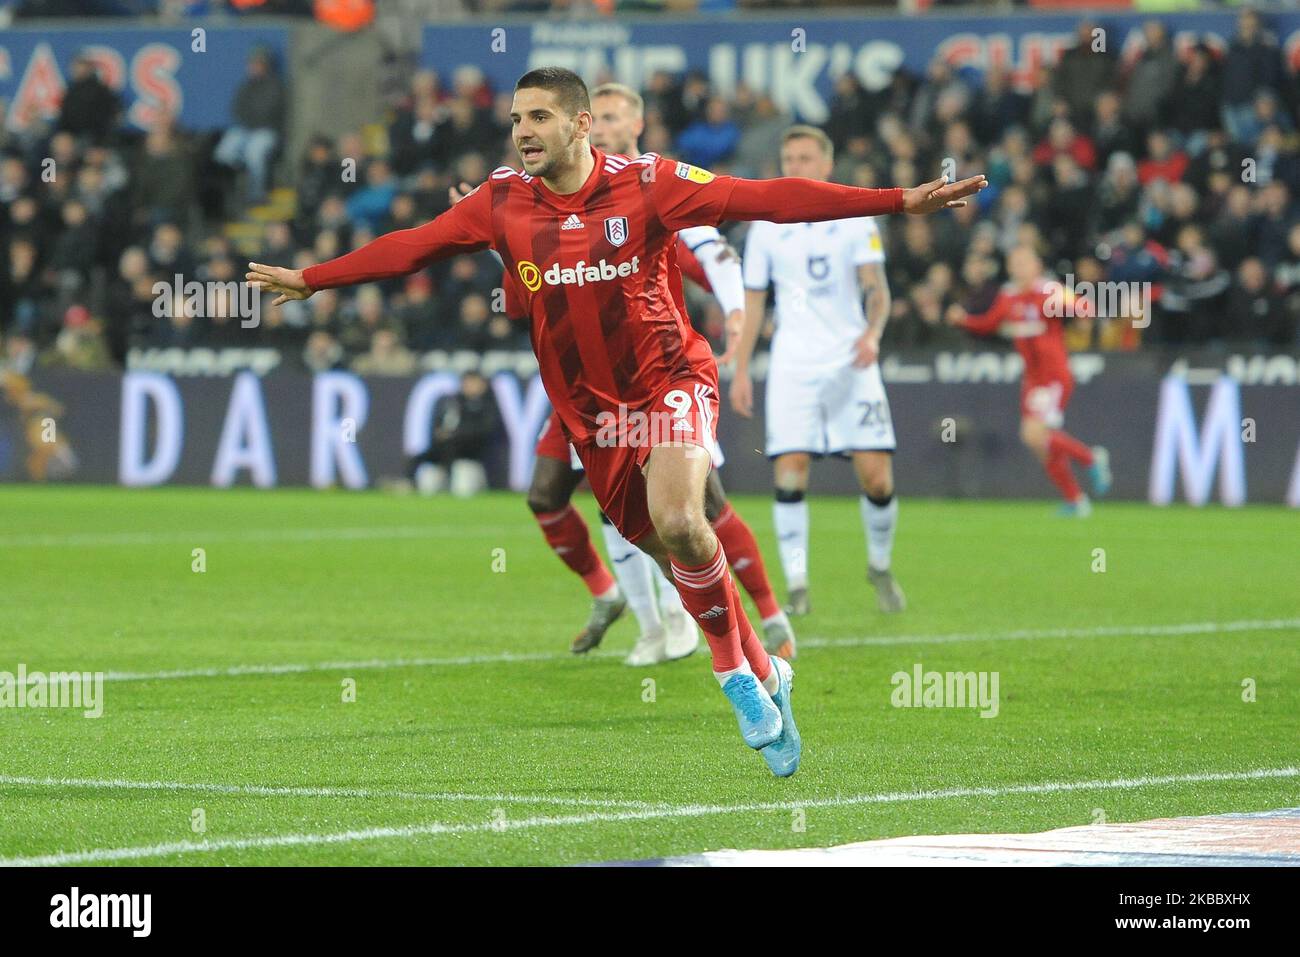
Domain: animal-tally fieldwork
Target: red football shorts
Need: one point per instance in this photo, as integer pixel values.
(684, 413)
(1045, 398)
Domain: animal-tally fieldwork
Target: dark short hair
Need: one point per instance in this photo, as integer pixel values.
(567, 86)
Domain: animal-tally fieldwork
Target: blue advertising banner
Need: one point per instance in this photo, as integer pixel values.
(192, 74)
(796, 58)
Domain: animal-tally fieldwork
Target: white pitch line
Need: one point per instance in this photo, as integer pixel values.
(260, 790)
(1105, 631)
(510, 657)
(100, 855)
(84, 539)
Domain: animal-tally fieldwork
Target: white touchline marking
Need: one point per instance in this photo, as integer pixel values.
(96, 855)
(510, 657)
(1104, 631)
(263, 790)
(82, 539)
(371, 664)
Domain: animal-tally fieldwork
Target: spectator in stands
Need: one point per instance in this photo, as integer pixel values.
(168, 253)
(19, 354)
(259, 111)
(472, 328)
(1069, 209)
(89, 109)
(711, 139)
(322, 353)
(1163, 161)
(853, 110)
(1255, 311)
(73, 252)
(386, 356)
(1152, 81)
(1251, 64)
(760, 142)
(80, 344)
(61, 242)
(162, 177)
(1233, 231)
(319, 175)
(1084, 71)
(369, 205)
(413, 135)
(416, 313)
(1110, 134)
(464, 426)
(1195, 107)
(14, 179)
(998, 106)
(1064, 140)
(1193, 290)
(130, 301)
(1274, 222)
(1118, 194)
(362, 318)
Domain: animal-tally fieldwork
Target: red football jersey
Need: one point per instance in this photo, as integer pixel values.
(1038, 336)
(596, 270)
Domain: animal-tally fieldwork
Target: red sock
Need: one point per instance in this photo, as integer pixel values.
(1059, 441)
(753, 649)
(568, 537)
(746, 561)
(706, 592)
(1059, 471)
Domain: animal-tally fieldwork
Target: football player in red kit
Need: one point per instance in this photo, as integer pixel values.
(1022, 312)
(635, 386)
(667, 629)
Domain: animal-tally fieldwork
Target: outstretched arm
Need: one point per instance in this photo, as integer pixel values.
(687, 196)
(793, 200)
(981, 323)
(464, 228)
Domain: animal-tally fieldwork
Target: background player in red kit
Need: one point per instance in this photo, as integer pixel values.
(633, 383)
(1021, 311)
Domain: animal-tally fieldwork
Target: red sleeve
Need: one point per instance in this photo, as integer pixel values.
(684, 195)
(465, 228)
(691, 267)
(789, 199)
(985, 324)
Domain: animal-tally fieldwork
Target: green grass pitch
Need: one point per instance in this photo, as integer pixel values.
(475, 738)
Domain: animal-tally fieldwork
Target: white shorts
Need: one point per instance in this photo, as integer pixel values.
(827, 412)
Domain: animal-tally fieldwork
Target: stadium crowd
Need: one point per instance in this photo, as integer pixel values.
(1178, 168)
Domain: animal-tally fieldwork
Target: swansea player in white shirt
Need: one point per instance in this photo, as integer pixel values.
(824, 391)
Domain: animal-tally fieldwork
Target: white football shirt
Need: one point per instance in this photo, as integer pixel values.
(814, 267)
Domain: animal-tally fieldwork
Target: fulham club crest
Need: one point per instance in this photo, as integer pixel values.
(616, 230)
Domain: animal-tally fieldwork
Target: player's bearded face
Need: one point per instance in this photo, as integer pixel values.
(546, 137)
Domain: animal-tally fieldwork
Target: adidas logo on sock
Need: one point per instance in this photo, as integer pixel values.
(713, 612)
(573, 222)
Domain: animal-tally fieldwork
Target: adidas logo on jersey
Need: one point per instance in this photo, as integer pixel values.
(573, 222)
(681, 425)
(713, 612)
